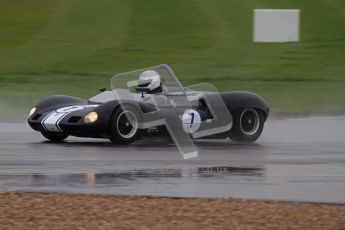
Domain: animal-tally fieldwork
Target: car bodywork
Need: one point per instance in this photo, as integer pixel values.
(216, 111)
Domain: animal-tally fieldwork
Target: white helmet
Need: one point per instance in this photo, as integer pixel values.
(150, 79)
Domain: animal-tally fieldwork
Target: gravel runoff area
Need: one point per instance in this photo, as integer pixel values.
(73, 211)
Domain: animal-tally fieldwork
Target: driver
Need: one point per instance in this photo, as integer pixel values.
(150, 80)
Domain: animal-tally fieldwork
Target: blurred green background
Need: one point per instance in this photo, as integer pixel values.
(74, 47)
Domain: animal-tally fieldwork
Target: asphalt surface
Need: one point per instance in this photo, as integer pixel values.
(295, 159)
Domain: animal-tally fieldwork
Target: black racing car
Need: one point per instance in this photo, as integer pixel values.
(152, 102)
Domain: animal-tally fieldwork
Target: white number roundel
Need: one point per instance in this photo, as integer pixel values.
(73, 108)
(191, 120)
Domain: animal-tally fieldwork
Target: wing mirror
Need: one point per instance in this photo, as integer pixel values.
(142, 90)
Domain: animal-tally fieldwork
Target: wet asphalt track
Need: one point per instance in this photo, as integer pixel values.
(295, 159)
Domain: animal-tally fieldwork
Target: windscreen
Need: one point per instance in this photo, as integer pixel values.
(129, 81)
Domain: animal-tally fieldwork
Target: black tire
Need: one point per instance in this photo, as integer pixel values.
(247, 126)
(53, 136)
(124, 126)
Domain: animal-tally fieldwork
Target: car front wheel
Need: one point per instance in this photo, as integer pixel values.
(124, 126)
(247, 126)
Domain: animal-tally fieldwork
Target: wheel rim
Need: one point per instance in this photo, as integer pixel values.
(249, 122)
(126, 124)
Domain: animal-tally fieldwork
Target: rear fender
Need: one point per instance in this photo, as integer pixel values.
(239, 100)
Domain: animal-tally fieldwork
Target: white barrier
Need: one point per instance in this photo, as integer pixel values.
(271, 25)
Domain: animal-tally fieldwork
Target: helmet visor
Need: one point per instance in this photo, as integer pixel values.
(144, 82)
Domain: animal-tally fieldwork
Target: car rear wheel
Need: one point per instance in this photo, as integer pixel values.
(247, 126)
(53, 136)
(124, 126)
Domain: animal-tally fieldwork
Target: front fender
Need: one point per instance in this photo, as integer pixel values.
(106, 110)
